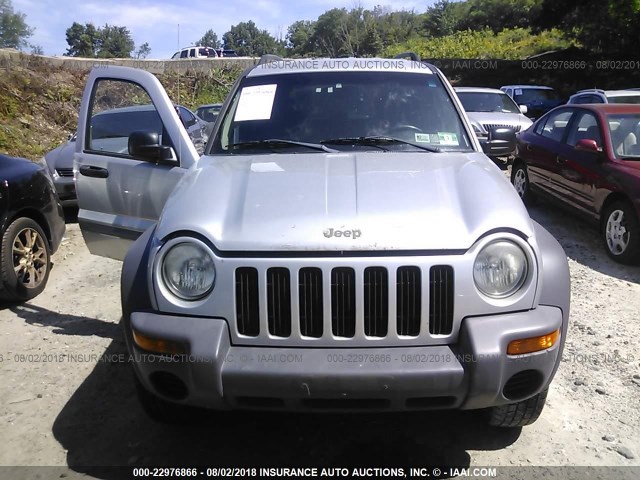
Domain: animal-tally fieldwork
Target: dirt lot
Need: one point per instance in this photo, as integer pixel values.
(67, 397)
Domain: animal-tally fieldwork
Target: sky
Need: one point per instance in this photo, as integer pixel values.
(169, 25)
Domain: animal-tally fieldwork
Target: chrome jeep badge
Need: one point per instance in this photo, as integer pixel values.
(331, 232)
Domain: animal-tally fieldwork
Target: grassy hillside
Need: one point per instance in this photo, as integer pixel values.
(39, 103)
(509, 44)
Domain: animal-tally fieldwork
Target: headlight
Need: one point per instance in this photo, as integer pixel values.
(188, 270)
(500, 269)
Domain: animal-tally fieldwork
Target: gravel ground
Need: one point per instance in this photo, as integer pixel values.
(67, 396)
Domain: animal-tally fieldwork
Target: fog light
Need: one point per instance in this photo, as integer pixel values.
(534, 344)
(158, 346)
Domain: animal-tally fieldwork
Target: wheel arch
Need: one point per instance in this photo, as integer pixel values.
(610, 199)
(517, 161)
(37, 217)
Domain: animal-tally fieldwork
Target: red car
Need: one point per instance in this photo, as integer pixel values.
(587, 157)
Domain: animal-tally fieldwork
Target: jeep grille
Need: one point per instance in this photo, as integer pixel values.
(342, 300)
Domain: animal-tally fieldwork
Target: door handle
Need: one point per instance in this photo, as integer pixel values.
(95, 172)
(529, 147)
(560, 160)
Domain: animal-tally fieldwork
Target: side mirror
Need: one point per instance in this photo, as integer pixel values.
(523, 109)
(501, 142)
(587, 145)
(146, 145)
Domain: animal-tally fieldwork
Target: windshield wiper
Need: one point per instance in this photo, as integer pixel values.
(377, 141)
(275, 143)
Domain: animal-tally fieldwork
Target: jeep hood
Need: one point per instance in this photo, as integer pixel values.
(386, 201)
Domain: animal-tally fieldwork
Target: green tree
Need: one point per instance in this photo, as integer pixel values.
(496, 14)
(395, 27)
(601, 26)
(82, 40)
(328, 36)
(209, 39)
(441, 19)
(115, 42)
(109, 41)
(14, 31)
(248, 41)
(299, 38)
(143, 50)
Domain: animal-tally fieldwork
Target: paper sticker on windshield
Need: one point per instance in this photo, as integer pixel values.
(518, 91)
(256, 103)
(423, 138)
(448, 139)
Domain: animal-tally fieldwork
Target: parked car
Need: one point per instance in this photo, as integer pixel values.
(587, 157)
(208, 113)
(126, 120)
(60, 164)
(343, 244)
(195, 52)
(538, 99)
(604, 96)
(31, 227)
(489, 109)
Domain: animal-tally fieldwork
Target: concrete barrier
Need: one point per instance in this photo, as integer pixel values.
(10, 58)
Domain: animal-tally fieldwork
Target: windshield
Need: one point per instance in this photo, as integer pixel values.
(625, 135)
(625, 99)
(335, 106)
(535, 95)
(487, 102)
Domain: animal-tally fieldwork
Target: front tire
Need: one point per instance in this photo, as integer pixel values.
(621, 233)
(520, 181)
(25, 262)
(518, 414)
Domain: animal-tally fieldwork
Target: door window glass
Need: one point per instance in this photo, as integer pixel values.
(556, 125)
(118, 109)
(585, 129)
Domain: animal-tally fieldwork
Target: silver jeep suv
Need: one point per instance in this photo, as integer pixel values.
(343, 244)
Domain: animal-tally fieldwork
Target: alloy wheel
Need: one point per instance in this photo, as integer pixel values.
(29, 258)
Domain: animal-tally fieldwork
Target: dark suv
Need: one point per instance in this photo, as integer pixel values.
(538, 99)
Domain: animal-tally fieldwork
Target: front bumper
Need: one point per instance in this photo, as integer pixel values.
(66, 190)
(497, 148)
(470, 374)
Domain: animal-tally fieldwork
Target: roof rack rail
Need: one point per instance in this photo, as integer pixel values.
(268, 58)
(409, 56)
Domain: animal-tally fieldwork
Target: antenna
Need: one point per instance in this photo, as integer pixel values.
(178, 89)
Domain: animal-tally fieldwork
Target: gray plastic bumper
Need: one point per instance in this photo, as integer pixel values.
(468, 375)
